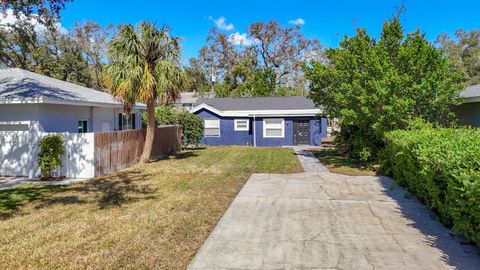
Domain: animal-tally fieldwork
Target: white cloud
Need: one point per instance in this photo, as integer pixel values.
(10, 18)
(221, 23)
(298, 21)
(241, 39)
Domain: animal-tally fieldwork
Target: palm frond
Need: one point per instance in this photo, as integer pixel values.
(144, 65)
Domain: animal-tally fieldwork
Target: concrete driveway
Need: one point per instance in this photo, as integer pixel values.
(330, 221)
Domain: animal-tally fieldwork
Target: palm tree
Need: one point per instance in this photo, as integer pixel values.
(144, 65)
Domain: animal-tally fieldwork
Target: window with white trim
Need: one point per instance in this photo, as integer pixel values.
(241, 124)
(273, 128)
(212, 128)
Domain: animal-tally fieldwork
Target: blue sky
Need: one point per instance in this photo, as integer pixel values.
(327, 21)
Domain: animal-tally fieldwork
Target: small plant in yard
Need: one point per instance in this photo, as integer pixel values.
(51, 149)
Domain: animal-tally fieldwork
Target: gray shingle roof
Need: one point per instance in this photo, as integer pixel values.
(258, 103)
(188, 97)
(19, 84)
(471, 92)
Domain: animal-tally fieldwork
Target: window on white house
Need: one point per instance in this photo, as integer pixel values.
(241, 124)
(212, 128)
(273, 128)
(126, 121)
(82, 126)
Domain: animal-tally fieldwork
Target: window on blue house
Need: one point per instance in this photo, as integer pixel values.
(212, 128)
(273, 128)
(241, 124)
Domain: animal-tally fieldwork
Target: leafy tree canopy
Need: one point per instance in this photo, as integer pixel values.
(377, 86)
(464, 52)
(266, 61)
(45, 11)
(75, 56)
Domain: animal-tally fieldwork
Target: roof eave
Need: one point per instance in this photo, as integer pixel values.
(259, 113)
(41, 100)
(470, 99)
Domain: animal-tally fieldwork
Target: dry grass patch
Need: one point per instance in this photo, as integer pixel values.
(152, 216)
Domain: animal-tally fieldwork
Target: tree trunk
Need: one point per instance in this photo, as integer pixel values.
(147, 147)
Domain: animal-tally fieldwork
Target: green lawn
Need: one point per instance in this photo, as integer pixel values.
(149, 216)
(340, 163)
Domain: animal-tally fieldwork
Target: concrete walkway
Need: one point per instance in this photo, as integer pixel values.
(12, 182)
(329, 221)
(308, 160)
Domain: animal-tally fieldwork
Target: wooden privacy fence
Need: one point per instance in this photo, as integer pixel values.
(117, 150)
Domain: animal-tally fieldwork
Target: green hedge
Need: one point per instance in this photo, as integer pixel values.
(442, 168)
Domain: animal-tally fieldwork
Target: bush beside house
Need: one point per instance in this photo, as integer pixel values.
(192, 125)
(441, 167)
(49, 155)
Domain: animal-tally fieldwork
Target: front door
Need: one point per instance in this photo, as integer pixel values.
(301, 132)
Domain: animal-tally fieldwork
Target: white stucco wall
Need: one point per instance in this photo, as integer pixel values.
(63, 118)
(78, 160)
(19, 154)
(15, 114)
(103, 117)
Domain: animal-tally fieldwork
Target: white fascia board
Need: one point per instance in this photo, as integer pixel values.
(38, 100)
(470, 99)
(260, 113)
(285, 113)
(31, 100)
(206, 107)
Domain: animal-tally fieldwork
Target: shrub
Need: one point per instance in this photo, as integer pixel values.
(441, 167)
(192, 125)
(192, 128)
(377, 85)
(49, 155)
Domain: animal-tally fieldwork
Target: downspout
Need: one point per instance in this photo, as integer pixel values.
(254, 132)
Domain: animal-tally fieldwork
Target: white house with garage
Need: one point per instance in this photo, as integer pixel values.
(33, 105)
(29, 101)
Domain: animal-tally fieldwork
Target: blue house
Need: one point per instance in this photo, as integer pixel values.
(261, 121)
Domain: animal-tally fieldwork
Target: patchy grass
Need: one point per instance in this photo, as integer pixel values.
(12, 199)
(152, 216)
(340, 163)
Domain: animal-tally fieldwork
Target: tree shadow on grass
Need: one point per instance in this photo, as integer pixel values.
(12, 199)
(186, 154)
(108, 191)
(116, 189)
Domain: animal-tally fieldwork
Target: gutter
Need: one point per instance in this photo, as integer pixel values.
(42, 100)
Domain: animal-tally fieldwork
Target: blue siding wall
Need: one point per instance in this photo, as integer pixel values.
(318, 131)
(228, 135)
(287, 140)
